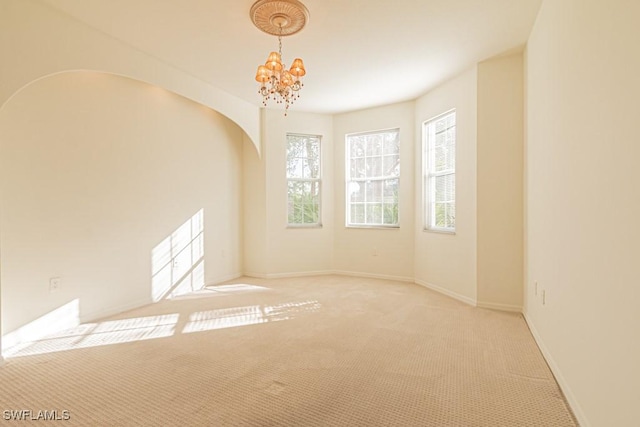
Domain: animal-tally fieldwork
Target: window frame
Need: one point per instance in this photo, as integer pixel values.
(317, 180)
(348, 180)
(428, 177)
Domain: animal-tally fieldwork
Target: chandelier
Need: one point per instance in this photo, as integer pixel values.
(280, 18)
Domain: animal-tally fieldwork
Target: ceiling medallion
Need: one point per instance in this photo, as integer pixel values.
(280, 18)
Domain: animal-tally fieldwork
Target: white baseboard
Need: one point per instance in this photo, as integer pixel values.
(373, 275)
(500, 307)
(564, 386)
(287, 275)
(447, 292)
(328, 273)
(298, 274)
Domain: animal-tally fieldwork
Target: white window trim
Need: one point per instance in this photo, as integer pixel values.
(347, 204)
(427, 181)
(318, 180)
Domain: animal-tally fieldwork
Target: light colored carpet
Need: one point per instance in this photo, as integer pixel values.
(313, 351)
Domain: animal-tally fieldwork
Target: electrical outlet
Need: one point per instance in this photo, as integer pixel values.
(536, 288)
(54, 284)
(544, 297)
(375, 251)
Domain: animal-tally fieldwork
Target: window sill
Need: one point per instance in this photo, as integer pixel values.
(379, 227)
(439, 231)
(303, 227)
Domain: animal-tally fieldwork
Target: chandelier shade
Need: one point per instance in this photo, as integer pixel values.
(297, 68)
(274, 62)
(262, 76)
(281, 18)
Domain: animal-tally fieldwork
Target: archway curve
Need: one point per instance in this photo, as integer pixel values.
(240, 115)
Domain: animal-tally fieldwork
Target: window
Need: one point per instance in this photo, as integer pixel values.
(439, 143)
(373, 178)
(303, 180)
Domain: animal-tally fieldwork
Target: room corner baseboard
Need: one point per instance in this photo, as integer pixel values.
(225, 278)
(447, 292)
(2, 362)
(372, 275)
(254, 275)
(500, 307)
(564, 386)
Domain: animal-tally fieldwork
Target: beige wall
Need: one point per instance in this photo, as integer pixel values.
(583, 205)
(447, 262)
(354, 247)
(499, 182)
(297, 250)
(96, 171)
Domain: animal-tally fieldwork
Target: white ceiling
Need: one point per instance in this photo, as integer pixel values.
(358, 53)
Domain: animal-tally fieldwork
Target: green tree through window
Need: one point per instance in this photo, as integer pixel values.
(303, 180)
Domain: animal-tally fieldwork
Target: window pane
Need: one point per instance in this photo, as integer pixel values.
(445, 188)
(294, 167)
(357, 213)
(450, 149)
(310, 213)
(357, 168)
(357, 192)
(374, 213)
(391, 165)
(391, 143)
(391, 190)
(440, 214)
(307, 169)
(296, 217)
(374, 167)
(374, 144)
(450, 216)
(390, 214)
(313, 150)
(390, 199)
(374, 191)
(357, 146)
(293, 193)
(444, 150)
(315, 189)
